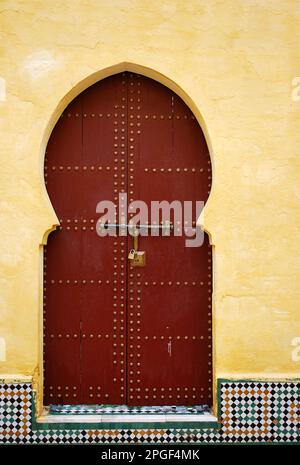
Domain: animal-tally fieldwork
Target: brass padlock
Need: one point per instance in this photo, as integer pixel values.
(139, 258)
(136, 257)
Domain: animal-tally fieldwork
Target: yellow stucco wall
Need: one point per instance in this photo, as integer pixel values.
(233, 61)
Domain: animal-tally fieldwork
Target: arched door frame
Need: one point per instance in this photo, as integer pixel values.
(54, 222)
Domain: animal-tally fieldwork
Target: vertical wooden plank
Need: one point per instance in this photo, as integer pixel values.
(103, 317)
(85, 320)
(62, 258)
(170, 317)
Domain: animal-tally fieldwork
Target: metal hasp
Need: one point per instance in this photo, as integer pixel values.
(127, 319)
(137, 257)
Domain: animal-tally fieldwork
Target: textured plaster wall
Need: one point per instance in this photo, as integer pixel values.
(233, 61)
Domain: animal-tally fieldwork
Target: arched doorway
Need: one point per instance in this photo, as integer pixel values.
(116, 333)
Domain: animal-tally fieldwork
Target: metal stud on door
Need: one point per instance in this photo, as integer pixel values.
(127, 319)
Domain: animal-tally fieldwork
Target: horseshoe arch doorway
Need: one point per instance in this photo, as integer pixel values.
(116, 333)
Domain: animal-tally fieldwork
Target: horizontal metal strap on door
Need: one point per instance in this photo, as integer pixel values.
(135, 229)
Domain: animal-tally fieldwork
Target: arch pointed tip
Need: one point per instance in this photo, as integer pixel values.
(48, 231)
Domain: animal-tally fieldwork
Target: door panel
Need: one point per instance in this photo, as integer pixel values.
(157, 385)
(161, 314)
(115, 333)
(90, 295)
(102, 381)
(169, 322)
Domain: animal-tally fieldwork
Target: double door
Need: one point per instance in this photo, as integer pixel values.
(115, 333)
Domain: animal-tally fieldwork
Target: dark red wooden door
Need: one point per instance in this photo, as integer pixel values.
(114, 333)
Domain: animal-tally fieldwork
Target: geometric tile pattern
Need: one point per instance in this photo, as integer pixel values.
(15, 412)
(261, 411)
(249, 412)
(119, 409)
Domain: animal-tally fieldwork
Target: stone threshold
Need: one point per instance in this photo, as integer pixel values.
(75, 414)
(104, 409)
(126, 418)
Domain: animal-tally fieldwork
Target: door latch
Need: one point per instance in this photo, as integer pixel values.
(136, 257)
